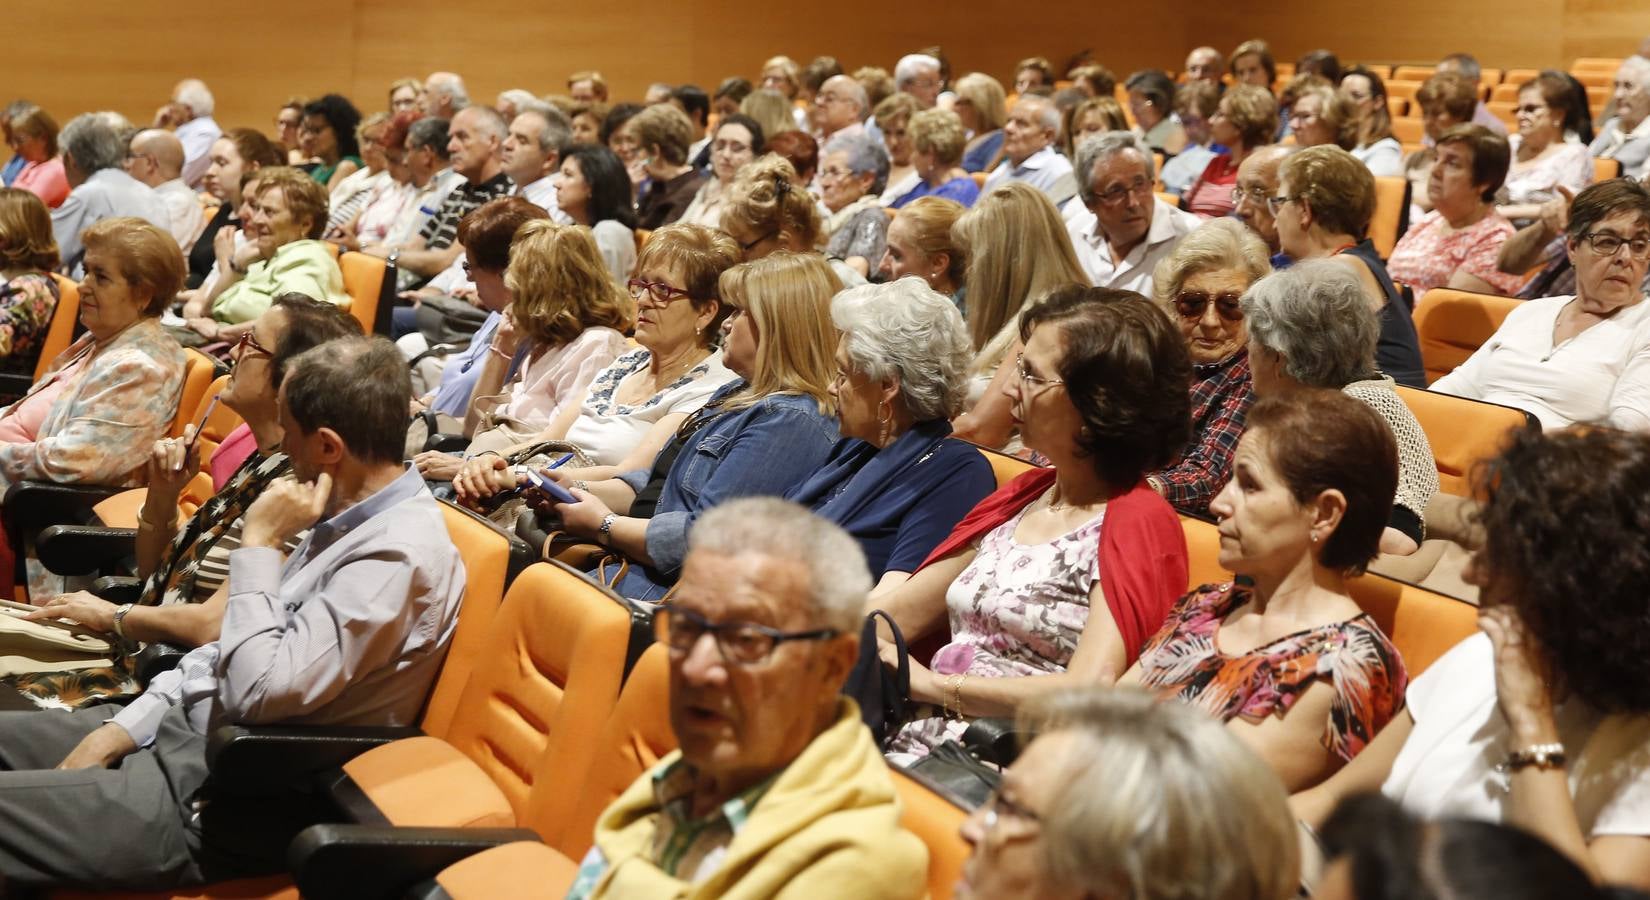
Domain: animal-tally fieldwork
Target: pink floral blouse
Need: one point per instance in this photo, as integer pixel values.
(1429, 253)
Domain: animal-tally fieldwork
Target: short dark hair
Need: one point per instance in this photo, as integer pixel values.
(616, 119)
(430, 132)
(1565, 96)
(342, 116)
(1604, 199)
(1491, 155)
(1127, 370)
(694, 101)
(1255, 47)
(487, 231)
(609, 183)
(758, 143)
(359, 388)
(734, 88)
(309, 323)
(1457, 94)
(1320, 62)
(1567, 548)
(1155, 85)
(255, 150)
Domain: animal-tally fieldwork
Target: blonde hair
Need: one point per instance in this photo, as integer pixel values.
(1107, 107)
(1159, 800)
(787, 296)
(305, 197)
(764, 198)
(26, 239)
(1253, 112)
(940, 132)
(1018, 250)
(988, 98)
(769, 109)
(559, 284)
(895, 107)
(1336, 111)
(931, 219)
(1216, 244)
(788, 68)
(399, 83)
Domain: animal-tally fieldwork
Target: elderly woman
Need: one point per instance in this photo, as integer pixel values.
(586, 121)
(763, 434)
(852, 173)
(735, 144)
(1312, 326)
(1091, 116)
(327, 138)
(1446, 100)
(1584, 358)
(663, 135)
(28, 293)
(1376, 147)
(1151, 102)
(893, 118)
(1285, 644)
(781, 74)
(593, 189)
(1327, 198)
(1456, 244)
(352, 192)
(937, 141)
(1543, 160)
(1199, 816)
(771, 110)
(1321, 115)
(920, 244)
(1032, 585)
(237, 152)
(185, 571)
(898, 482)
(284, 256)
(373, 220)
(1196, 103)
(404, 93)
(33, 137)
(1540, 722)
(771, 210)
(982, 105)
(636, 404)
(1199, 286)
(1624, 137)
(1242, 123)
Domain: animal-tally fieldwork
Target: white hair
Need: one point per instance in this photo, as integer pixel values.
(192, 92)
(865, 156)
(1316, 316)
(838, 578)
(517, 98)
(855, 90)
(911, 65)
(1105, 145)
(907, 331)
(1639, 66)
(451, 86)
(1048, 115)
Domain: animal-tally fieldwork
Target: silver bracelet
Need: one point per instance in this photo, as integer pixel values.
(120, 621)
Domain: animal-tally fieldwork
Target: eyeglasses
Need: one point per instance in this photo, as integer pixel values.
(660, 292)
(1273, 204)
(1531, 108)
(1031, 381)
(743, 643)
(1256, 195)
(1606, 244)
(249, 343)
(1118, 193)
(1192, 304)
(834, 173)
(730, 147)
(998, 807)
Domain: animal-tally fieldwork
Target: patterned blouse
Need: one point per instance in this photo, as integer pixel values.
(1429, 253)
(1368, 677)
(26, 306)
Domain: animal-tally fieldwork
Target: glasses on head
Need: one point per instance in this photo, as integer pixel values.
(742, 643)
(1606, 244)
(1256, 195)
(1273, 204)
(248, 343)
(998, 807)
(1191, 305)
(1034, 382)
(660, 292)
(1118, 193)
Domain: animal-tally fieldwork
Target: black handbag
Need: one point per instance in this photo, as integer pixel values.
(883, 693)
(956, 771)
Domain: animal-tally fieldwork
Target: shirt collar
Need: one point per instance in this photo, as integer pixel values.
(405, 487)
(1037, 160)
(498, 182)
(673, 792)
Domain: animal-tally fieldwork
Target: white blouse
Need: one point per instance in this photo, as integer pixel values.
(607, 430)
(561, 375)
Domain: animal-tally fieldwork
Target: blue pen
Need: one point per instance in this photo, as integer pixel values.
(560, 462)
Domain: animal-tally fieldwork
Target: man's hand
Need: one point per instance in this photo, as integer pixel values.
(285, 508)
(100, 749)
(80, 607)
(437, 466)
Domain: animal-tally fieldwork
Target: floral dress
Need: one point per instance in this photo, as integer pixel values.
(26, 306)
(1017, 610)
(1183, 660)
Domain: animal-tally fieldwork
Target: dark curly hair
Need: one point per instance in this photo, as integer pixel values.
(1567, 547)
(342, 117)
(1127, 371)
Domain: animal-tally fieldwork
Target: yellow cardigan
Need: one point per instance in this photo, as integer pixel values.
(828, 827)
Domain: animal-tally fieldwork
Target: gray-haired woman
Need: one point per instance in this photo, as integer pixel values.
(852, 173)
(1311, 326)
(900, 482)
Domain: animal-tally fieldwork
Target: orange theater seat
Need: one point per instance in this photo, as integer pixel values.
(1391, 218)
(1006, 468)
(937, 822)
(1451, 324)
(1463, 433)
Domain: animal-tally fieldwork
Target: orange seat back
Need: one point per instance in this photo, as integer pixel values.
(1408, 131)
(60, 333)
(1202, 553)
(1391, 213)
(1006, 468)
(364, 282)
(1462, 432)
(979, 178)
(198, 372)
(1606, 169)
(935, 821)
(1412, 73)
(1451, 324)
(486, 556)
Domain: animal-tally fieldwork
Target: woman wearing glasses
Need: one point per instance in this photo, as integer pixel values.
(1199, 286)
(1243, 122)
(593, 188)
(1057, 579)
(1544, 156)
(1584, 358)
(1456, 244)
(735, 144)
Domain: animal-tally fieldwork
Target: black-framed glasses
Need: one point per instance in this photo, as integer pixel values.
(1192, 304)
(1606, 244)
(660, 292)
(752, 245)
(1117, 193)
(743, 643)
(1035, 382)
(1273, 204)
(247, 342)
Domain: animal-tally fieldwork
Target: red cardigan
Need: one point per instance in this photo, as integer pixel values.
(1142, 551)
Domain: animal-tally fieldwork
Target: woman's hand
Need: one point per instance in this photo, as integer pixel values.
(437, 466)
(223, 249)
(172, 463)
(205, 326)
(583, 518)
(925, 687)
(506, 337)
(483, 476)
(253, 252)
(1520, 687)
(81, 608)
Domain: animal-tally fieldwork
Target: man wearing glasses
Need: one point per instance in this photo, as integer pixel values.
(1257, 181)
(777, 782)
(1124, 231)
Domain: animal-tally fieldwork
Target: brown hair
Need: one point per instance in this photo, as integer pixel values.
(36, 122)
(699, 255)
(559, 284)
(1100, 79)
(26, 239)
(1457, 95)
(146, 256)
(1255, 47)
(486, 233)
(931, 219)
(764, 198)
(255, 150)
(1490, 155)
(1336, 111)
(1335, 185)
(1041, 65)
(1252, 111)
(664, 127)
(1320, 439)
(304, 196)
(876, 81)
(797, 148)
(1604, 199)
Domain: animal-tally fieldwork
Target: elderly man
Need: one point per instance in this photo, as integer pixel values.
(155, 158)
(510, 103)
(840, 107)
(1257, 181)
(918, 74)
(1125, 231)
(531, 155)
(348, 630)
(1625, 136)
(444, 95)
(778, 789)
(189, 115)
(93, 152)
(1205, 64)
(1466, 66)
(1028, 151)
(587, 87)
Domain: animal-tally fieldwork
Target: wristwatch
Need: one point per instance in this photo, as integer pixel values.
(604, 534)
(120, 619)
(394, 255)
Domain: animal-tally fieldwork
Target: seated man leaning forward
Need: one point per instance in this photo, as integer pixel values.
(348, 630)
(778, 789)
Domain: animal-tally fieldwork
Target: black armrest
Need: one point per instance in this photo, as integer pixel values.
(83, 549)
(154, 659)
(118, 589)
(266, 760)
(994, 740)
(365, 862)
(30, 506)
(438, 350)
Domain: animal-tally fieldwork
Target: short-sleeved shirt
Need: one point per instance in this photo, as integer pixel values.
(442, 229)
(607, 430)
(1429, 253)
(1211, 194)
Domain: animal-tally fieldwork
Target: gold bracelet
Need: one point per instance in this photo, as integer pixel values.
(953, 704)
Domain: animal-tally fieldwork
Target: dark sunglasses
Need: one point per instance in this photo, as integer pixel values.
(1191, 304)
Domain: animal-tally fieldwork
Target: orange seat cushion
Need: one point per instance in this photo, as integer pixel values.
(525, 869)
(425, 782)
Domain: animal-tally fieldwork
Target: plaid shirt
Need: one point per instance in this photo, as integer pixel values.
(1221, 394)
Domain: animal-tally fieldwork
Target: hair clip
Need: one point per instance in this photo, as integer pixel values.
(782, 185)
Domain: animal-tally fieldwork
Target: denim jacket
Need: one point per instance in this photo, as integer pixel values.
(766, 448)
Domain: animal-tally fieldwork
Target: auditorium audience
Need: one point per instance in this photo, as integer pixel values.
(840, 107)
(1257, 184)
(1253, 63)
(1243, 122)
(1544, 157)
(1376, 147)
(1456, 245)
(155, 158)
(1624, 136)
(28, 293)
(443, 96)
(921, 243)
(32, 136)
(663, 135)
(1124, 230)
(594, 191)
(892, 116)
(352, 192)
(1313, 480)
(1322, 115)
(1205, 64)
(1033, 586)
(1195, 103)
(1094, 80)
(937, 140)
(1094, 115)
(1029, 152)
(1321, 63)
(920, 76)
(735, 143)
(327, 139)
(729, 95)
(983, 108)
(1466, 66)
(1034, 75)
(1199, 286)
(404, 94)
(853, 171)
(99, 187)
(531, 155)
(238, 152)
(1446, 100)
(770, 210)
(1199, 816)
(189, 116)
(1151, 102)
(431, 179)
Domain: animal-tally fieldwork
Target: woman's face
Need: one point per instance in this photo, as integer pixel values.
(224, 170)
(1450, 184)
(286, 127)
(773, 79)
(404, 99)
(903, 257)
(32, 147)
(586, 130)
(1362, 94)
(572, 191)
(730, 151)
(624, 143)
(108, 302)
(1209, 315)
(1145, 112)
(739, 343)
(927, 165)
(896, 140)
(1221, 130)
(372, 151)
(666, 328)
(1006, 833)
(1538, 123)
(395, 160)
(1262, 527)
(249, 391)
(970, 116)
(317, 139)
(1248, 69)
(1436, 119)
(1607, 282)
(1287, 219)
(272, 224)
(1047, 419)
(722, 107)
(838, 182)
(1093, 122)
(863, 406)
(1307, 122)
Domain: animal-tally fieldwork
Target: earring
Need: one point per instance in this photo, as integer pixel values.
(885, 421)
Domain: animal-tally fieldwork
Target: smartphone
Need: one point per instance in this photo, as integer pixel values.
(547, 486)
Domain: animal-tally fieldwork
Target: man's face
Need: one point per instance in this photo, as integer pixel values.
(1203, 65)
(1123, 200)
(925, 86)
(524, 161)
(739, 722)
(469, 146)
(1257, 180)
(835, 107)
(306, 451)
(1248, 69)
(433, 100)
(1024, 133)
(583, 91)
(1027, 79)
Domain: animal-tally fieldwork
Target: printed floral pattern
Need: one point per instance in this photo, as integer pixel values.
(26, 306)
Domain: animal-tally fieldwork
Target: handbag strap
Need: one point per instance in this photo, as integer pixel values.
(903, 652)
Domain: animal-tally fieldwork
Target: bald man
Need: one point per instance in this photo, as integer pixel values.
(444, 95)
(1257, 180)
(1205, 64)
(155, 157)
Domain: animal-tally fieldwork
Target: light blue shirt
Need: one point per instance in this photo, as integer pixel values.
(106, 194)
(458, 378)
(1046, 170)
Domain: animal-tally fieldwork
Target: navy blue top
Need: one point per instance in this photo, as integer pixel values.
(901, 501)
(963, 190)
(983, 154)
(1399, 351)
